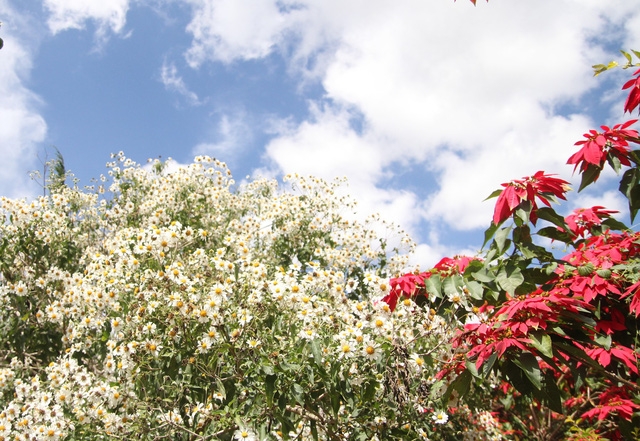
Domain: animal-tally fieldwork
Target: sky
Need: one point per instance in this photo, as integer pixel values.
(425, 106)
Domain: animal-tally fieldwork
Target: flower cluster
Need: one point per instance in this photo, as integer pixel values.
(170, 305)
(540, 186)
(611, 144)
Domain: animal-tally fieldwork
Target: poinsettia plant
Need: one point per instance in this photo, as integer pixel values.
(551, 341)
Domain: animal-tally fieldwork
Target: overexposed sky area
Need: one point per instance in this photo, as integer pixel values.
(425, 106)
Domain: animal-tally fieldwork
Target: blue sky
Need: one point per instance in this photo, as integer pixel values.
(425, 106)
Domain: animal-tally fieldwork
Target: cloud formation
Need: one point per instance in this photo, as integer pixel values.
(108, 15)
(173, 81)
(468, 93)
(468, 96)
(22, 128)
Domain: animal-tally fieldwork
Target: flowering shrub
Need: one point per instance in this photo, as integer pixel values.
(551, 342)
(168, 306)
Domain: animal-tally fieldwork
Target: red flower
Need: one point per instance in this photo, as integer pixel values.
(613, 400)
(536, 310)
(407, 285)
(595, 259)
(485, 340)
(633, 100)
(457, 265)
(412, 285)
(584, 219)
(541, 186)
(597, 146)
(616, 322)
(634, 307)
(622, 353)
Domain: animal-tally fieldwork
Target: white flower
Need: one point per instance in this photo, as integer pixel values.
(244, 434)
(440, 417)
(416, 361)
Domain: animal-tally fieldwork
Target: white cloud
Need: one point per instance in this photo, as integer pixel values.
(108, 15)
(468, 93)
(465, 181)
(174, 82)
(465, 94)
(224, 30)
(230, 137)
(22, 125)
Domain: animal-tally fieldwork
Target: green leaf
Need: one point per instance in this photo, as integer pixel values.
(270, 387)
(221, 389)
(614, 162)
(551, 395)
(604, 341)
(475, 290)
(501, 239)
(471, 367)
(522, 235)
(314, 429)
(335, 403)
(598, 69)
(523, 213)
(489, 233)
(509, 280)
(298, 393)
(473, 266)
(555, 234)
(495, 194)
(369, 392)
(317, 353)
(542, 342)
(483, 276)
(614, 224)
(578, 354)
(461, 384)
(529, 365)
(433, 285)
(488, 364)
(630, 187)
(589, 176)
(550, 215)
(451, 285)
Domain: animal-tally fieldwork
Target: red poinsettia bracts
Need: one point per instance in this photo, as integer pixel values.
(594, 259)
(536, 310)
(487, 340)
(613, 323)
(614, 400)
(408, 285)
(511, 325)
(604, 356)
(583, 220)
(598, 145)
(633, 100)
(411, 284)
(539, 186)
(456, 265)
(634, 306)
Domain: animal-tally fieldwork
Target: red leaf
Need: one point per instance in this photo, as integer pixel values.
(627, 356)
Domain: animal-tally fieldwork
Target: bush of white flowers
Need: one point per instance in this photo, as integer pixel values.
(180, 306)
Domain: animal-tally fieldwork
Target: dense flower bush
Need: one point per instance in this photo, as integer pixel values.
(164, 305)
